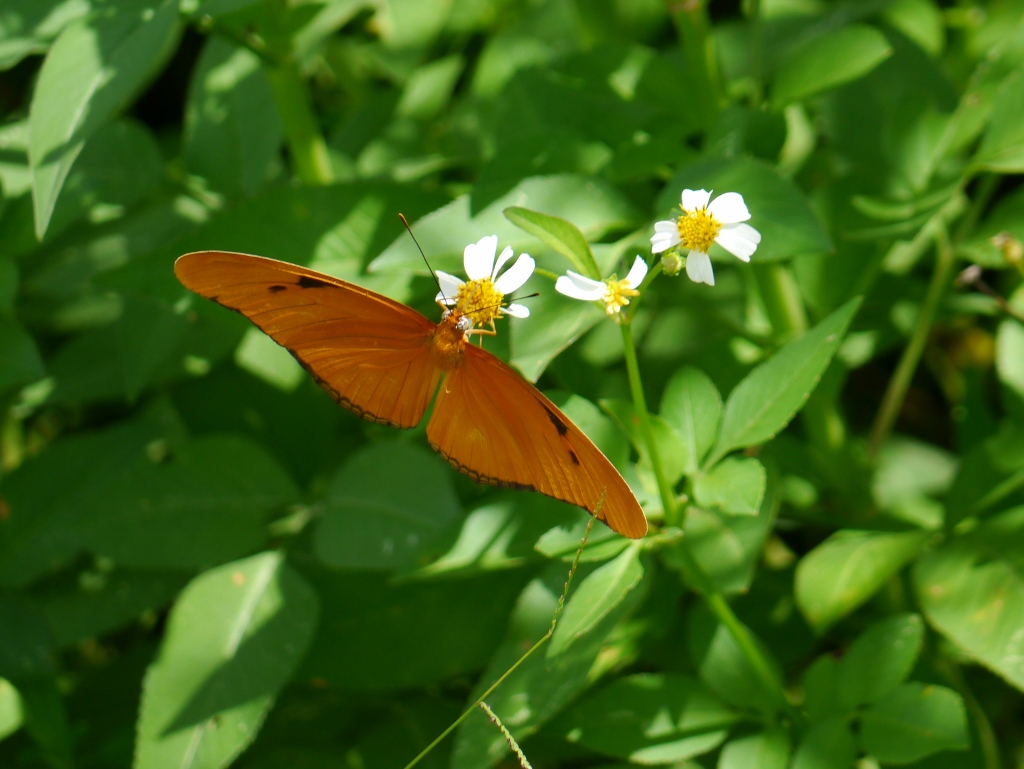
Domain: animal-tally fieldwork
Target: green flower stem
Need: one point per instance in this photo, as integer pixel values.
(703, 583)
(781, 298)
(668, 500)
(895, 393)
(305, 141)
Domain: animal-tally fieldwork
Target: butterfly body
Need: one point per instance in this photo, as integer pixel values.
(386, 363)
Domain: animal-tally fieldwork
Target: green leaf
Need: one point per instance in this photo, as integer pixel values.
(826, 745)
(972, 591)
(542, 685)
(989, 473)
(26, 645)
(820, 685)
(725, 668)
(770, 395)
(692, 405)
(46, 499)
(370, 638)
(908, 473)
(94, 67)
(669, 443)
(735, 486)
(371, 522)
(534, 345)
(847, 568)
(561, 235)
(28, 26)
(766, 750)
(650, 719)
(912, 722)
(232, 130)
(879, 660)
(11, 715)
(1002, 147)
(46, 720)
(206, 504)
(1010, 356)
(727, 547)
(21, 360)
(595, 598)
(97, 603)
(233, 640)
(829, 60)
(787, 223)
(594, 206)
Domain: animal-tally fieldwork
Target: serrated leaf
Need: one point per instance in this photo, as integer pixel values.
(596, 597)
(914, 721)
(769, 396)
(94, 67)
(692, 405)
(829, 60)
(371, 522)
(561, 235)
(233, 640)
(735, 486)
(847, 568)
(650, 719)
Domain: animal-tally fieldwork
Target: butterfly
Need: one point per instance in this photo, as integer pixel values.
(385, 362)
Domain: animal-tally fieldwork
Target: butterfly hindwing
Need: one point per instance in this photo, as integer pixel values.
(496, 427)
(370, 353)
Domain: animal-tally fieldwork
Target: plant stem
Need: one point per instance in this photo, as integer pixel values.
(781, 298)
(668, 501)
(699, 578)
(986, 734)
(896, 392)
(305, 141)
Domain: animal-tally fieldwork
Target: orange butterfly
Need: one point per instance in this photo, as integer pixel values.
(384, 361)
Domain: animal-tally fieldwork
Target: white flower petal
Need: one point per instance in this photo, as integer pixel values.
(516, 311)
(478, 258)
(698, 267)
(580, 287)
(516, 275)
(666, 225)
(662, 241)
(740, 240)
(729, 208)
(637, 273)
(505, 256)
(694, 200)
(448, 284)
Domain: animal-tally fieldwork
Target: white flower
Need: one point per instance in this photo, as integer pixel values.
(481, 298)
(703, 224)
(613, 292)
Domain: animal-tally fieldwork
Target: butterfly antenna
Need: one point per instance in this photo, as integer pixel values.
(418, 246)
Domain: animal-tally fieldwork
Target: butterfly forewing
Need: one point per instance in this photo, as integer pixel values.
(496, 427)
(370, 353)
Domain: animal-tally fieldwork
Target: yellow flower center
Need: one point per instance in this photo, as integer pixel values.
(698, 229)
(479, 300)
(617, 295)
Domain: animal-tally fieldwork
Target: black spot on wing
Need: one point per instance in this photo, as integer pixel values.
(277, 289)
(556, 421)
(308, 282)
(575, 459)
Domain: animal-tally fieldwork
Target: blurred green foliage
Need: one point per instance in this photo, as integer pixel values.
(204, 562)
